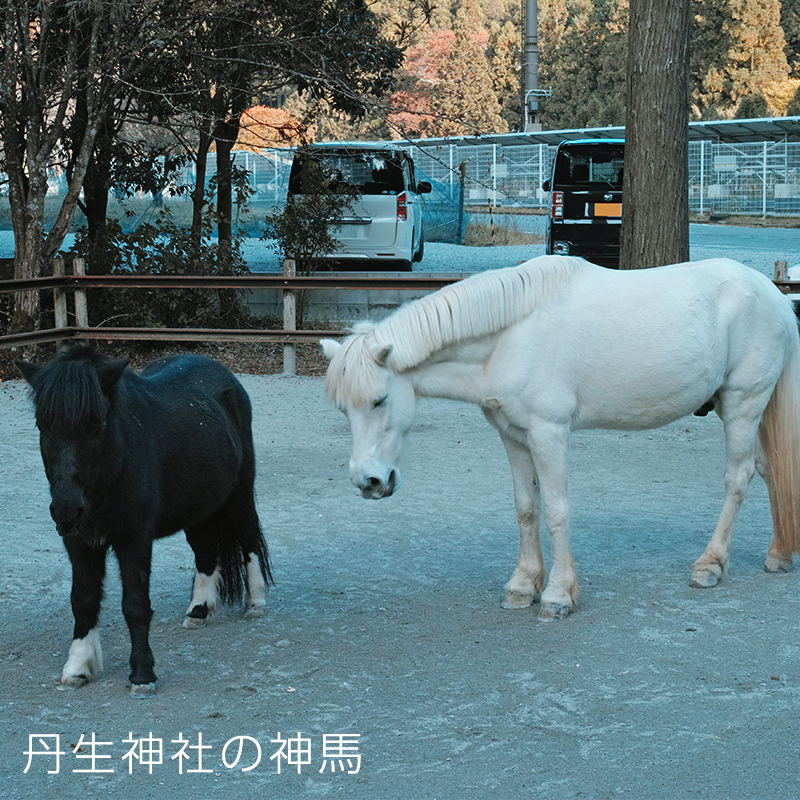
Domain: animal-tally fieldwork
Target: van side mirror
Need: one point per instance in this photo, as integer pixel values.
(423, 187)
(546, 185)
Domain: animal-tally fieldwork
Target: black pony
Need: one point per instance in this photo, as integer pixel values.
(134, 457)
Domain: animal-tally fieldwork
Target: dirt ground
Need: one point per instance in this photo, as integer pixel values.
(384, 634)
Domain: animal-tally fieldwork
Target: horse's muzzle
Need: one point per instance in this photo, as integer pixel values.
(374, 488)
(67, 516)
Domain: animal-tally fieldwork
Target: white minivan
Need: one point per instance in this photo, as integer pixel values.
(383, 229)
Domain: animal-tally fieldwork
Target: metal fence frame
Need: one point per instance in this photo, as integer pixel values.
(758, 178)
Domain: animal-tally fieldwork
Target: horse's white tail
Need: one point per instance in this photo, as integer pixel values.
(779, 434)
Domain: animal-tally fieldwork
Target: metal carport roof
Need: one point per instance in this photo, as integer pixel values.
(774, 129)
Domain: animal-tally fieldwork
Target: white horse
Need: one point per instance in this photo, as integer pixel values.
(558, 344)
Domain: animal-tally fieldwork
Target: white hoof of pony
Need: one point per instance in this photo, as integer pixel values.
(67, 684)
(517, 600)
(774, 564)
(254, 612)
(706, 578)
(550, 612)
(143, 691)
(191, 623)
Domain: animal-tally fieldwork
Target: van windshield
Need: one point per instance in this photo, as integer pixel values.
(363, 172)
(595, 164)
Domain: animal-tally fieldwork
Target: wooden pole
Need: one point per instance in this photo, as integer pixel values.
(81, 308)
(289, 320)
(60, 295)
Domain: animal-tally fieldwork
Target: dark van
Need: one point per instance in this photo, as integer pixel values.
(586, 200)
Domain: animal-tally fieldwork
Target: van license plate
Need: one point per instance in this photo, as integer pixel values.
(608, 209)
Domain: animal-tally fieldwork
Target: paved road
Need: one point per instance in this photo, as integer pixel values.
(756, 247)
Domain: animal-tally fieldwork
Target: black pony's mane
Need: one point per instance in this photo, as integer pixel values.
(67, 390)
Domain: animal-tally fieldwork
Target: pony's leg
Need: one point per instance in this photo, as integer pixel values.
(85, 659)
(134, 567)
(548, 443)
(254, 549)
(778, 558)
(239, 522)
(740, 443)
(527, 582)
(205, 594)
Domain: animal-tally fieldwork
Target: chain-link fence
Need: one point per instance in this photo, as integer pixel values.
(760, 178)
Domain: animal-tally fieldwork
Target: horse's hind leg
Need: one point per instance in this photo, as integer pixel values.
(85, 659)
(245, 527)
(740, 443)
(527, 582)
(205, 593)
(226, 544)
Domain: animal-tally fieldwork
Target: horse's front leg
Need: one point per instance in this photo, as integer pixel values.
(527, 582)
(134, 567)
(85, 659)
(548, 444)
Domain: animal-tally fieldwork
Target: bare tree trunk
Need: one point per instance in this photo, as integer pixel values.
(655, 214)
(199, 192)
(225, 137)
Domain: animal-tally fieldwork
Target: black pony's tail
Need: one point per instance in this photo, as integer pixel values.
(233, 565)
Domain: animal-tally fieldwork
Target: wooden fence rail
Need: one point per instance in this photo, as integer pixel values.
(79, 283)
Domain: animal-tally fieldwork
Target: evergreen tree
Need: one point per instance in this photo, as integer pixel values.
(790, 23)
(503, 54)
(793, 109)
(464, 100)
(738, 48)
(752, 106)
(582, 57)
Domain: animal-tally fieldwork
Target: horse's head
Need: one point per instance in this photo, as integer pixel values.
(379, 405)
(71, 396)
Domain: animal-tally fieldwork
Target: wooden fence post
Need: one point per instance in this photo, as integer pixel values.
(60, 295)
(781, 270)
(289, 320)
(81, 307)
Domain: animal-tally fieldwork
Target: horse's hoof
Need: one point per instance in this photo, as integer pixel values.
(143, 691)
(776, 564)
(254, 612)
(190, 623)
(705, 578)
(516, 600)
(67, 684)
(550, 612)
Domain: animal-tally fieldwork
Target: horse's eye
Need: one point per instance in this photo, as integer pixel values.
(380, 401)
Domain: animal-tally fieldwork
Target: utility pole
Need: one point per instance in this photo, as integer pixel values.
(530, 70)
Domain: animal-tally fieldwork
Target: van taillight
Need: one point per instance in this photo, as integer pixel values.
(402, 210)
(557, 208)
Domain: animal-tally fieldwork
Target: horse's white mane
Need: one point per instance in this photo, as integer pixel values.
(477, 306)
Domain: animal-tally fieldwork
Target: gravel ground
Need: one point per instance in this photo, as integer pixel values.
(385, 623)
(758, 247)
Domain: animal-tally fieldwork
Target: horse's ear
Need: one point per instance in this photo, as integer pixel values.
(330, 347)
(27, 369)
(381, 354)
(110, 372)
